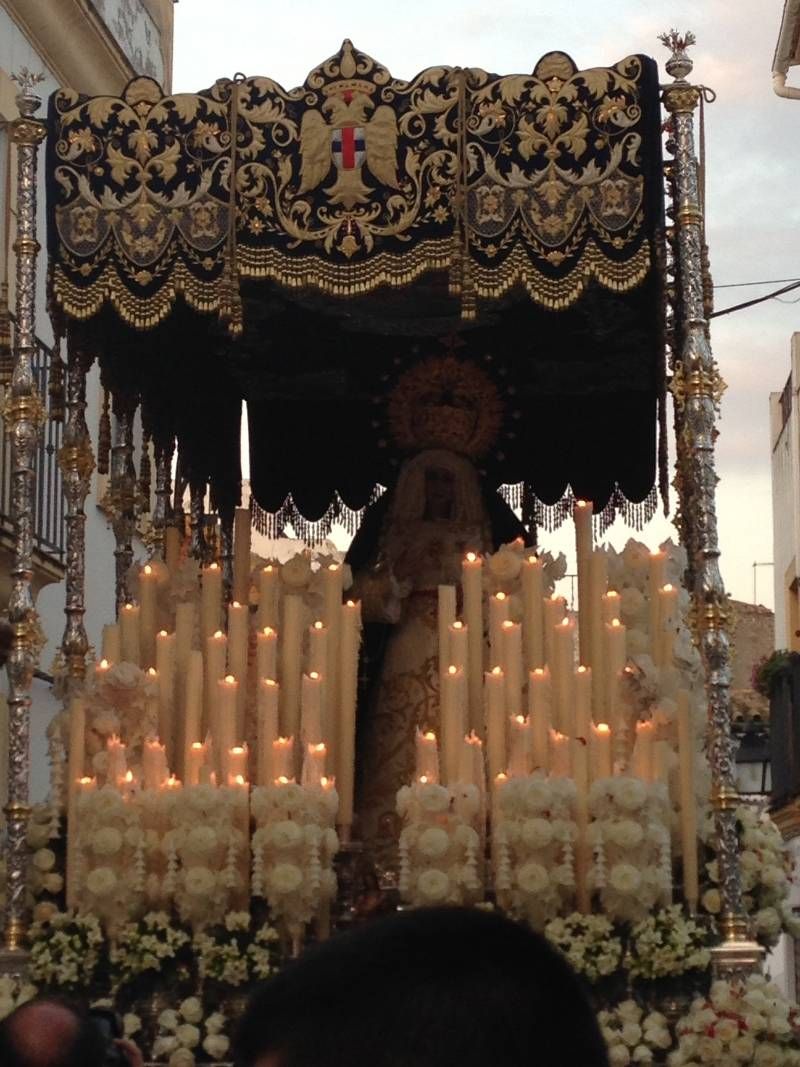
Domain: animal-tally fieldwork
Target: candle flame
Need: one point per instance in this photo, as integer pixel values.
(429, 735)
(152, 671)
(539, 670)
(318, 749)
(656, 554)
(86, 780)
(351, 603)
(667, 588)
(500, 596)
(270, 681)
(268, 631)
(582, 669)
(229, 679)
(163, 633)
(236, 604)
(319, 625)
(213, 567)
(458, 625)
(581, 504)
(520, 719)
(471, 557)
(148, 569)
(129, 776)
(314, 675)
(423, 779)
(172, 782)
(508, 624)
(473, 739)
(218, 633)
(282, 742)
(129, 606)
(197, 746)
(603, 728)
(333, 566)
(323, 781)
(500, 778)
(268, 569)
(565, 621)
(103, 664)
(497, 670)
(452, 669)
(237, 750)
(612, 593)
(616, 623)
(239, 779)
(282, 780)
(533, 559)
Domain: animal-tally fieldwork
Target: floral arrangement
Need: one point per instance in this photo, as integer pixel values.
(121, 702)
(632, 869)
(503, 573)
(45, 880)
(185, 1034)
(110, 856)
(234, 953)
(633, 1036)
(206, 852)
(14, 992)
(589, 942)
(668, 944)
(293, 848)
(533, 844)
(66, 951)
(768, 668)
(740, 1022)
(149, 951)
(766, 868)
(439, 845)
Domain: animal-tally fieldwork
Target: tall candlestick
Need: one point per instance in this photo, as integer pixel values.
(643, 752)
(241, 555)
(238, 621)
(453, 722)
(184, 639)
(211, 602)
(283, 758)
(148, 588)
(350, 640)
(267, 597)
(154, 764)
(540, 717)
(532, 619)
(560, 755)
(311, 712)
(583, 701)
(314, 758)
(471, 769)
(227, 689)
(458, 645)
(165, 668)
(658, 564)
(129, 633)
(600, 751)
(117, 764)
(495, 721)
(598, 584)
(555, 608)
(615, 659)
(266, 652)
(498, 614)
(427, 762)
(291, 665)
(472, 594)
(667, 624)
(688, 802)
(267, 729)
(583, 850)
(215, 666)
(195, 759)
(498, 782)
(518, 746)
(192, 705)
(446, 616)
(511, 662)
(318, 664)
(582, 515)
(333, 591)
(112, 646)
(237, 765)
(564, 677)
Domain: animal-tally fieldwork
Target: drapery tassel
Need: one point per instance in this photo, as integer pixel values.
(55, 384)
(104, 436)
(145, 476)
(6, 353)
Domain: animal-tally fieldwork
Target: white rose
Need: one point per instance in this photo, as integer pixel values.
(626, 833)
(101, 881)
(434, 798)
(201, 839)
(199, 882)
(53, 883)
(625, 878)
(768, 921)
(712, 901)
(726, 1029)
(44, 911)
(331, 841)
(106, 841)
(631, 1033)
(642, 1054)
(536, 795)
(44, 859)
(216, 1046)
(286, 834)
(433, 885)
(619, 1056)
(285, 878)
(532, 878)
(536, 833)
(131, 1024)
(37, 835)
(191, 1009)
(630, 793)
(181, 1057)
(769, 1056)
(188, 1035)
(163, 1046)
(215, 1023)
(504, 565)
(296, 572)
(742, 1048)
(168, 1019)
(433, 842)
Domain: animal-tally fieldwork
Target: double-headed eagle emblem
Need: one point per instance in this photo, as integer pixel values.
(344, 135)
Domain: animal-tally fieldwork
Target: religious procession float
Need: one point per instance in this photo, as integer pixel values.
(455, 307)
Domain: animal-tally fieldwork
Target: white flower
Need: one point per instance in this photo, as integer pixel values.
(201, 839)
(101, 881)
(106, 841)
(131, 1024)
(433, 885)
(37, 835)
(532, 877)
(536, 833)
(433, 842)
(199, 882)
(630, 793)
(216, 1046)
(191, 1009)
(286, 834)
(619, 1056)
(536, 795)
(712, 901)
(188, 1035)
(163, 1046)
(505, 564)
(168, 1019)
(285, 878)
(743, 1048)
(631, 1033)
(181, 1057)
(626, 833)
(726, 1029)
(296, 572)
(434, 798)
(625, 878)
(215, 1023)
(44, 859)
(44, 910)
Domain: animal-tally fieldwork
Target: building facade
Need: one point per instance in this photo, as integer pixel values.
(785, 444)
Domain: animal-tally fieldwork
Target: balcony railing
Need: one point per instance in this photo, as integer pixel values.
(48, 519)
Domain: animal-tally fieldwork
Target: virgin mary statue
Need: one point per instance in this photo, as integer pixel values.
(412, 541)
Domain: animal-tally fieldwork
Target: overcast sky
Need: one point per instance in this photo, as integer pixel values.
(752, 145)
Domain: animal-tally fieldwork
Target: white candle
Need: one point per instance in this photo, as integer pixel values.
(532, 619)
(267, 597)
(195, 760)
(555, 608)
(498, 614)
(471, 769)
(582, 515)
(582, 688)
(192, 706)
(615, 659)
(658, 565)
(511, 661)
(241, 555)
(101, 669)
(266, 652)
(688, 802)
(668, 624)
(311, 712)
(129, 633)
(540, 717)
(611, 604)
(643, 752)
(495, 721)
(184, 640)
(216, 656)
(283, 758)
(112, 646)
(154, 764)
(165, 666)
(472, 595)
(291, 666)
(237, 765)
(600, 751)
(350, 641)
(583, 851)
(453, 721)
(314, 764)
(560, 761)
(148, 587)
(427, 763)
(238, 620)
(599, 582)
(227, 689)
(498, 782)
(446, 616)
(117, 764)
(564, 677)
(318, 664)
(518, 746)
(458, 643)
(333, 585)
(267, 729)
(211, 601)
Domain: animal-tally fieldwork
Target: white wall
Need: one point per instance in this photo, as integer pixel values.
(785, 495)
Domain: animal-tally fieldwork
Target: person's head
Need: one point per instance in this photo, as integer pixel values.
(49, 1032)
(443, 987)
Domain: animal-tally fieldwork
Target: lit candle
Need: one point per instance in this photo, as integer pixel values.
(518, 747)
(599, 582)
(643, 752)
(211, 601)
(472, 595)
(688, 802)
(611, 605)
(564, 677)
(446, 616)
(172, 783)
(184, 640)
(266, 652)
(165, 668)
(112, 646)
(511, 661)
(350, 641)
(227, 689)
(498, 782)
(658, 566)
(129, 633)
(667, 623)
(582, 689)
(151, 713)
(148, 587)
(283, 758)
(318, 665)
(238, 620)
(195, 760)
(555, 608)
(498, 614)
(267, 728)
(241, 555)
(601, 751)
(154, 764)
(192, 706)
(332, 616)
(427, 764)
(86, 785)
(532, 620)
(582, 515)
(560, 762)
(314, 764)
(311, 716)
(291, 665)
(458, 637)
(471, 770)
(267, 597)
(540, 717)
(116, 765)
(452, 722)
(615, 659)
(237, 764)
(216, 655)
(494, 682)
(101, 669)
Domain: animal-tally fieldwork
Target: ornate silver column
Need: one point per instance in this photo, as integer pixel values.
(123, 496)
(23, 415)
(77, 463)
(197, 519)
(698, 400)
(162, 512)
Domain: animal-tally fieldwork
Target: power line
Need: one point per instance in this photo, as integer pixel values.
(767, 281)
(757, 300)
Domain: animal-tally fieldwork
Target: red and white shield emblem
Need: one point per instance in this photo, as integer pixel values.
(348, 147)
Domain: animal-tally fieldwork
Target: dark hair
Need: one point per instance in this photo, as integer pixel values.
(86, 1048)
(439, 987)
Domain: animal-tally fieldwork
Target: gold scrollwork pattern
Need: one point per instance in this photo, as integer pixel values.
(355, 180)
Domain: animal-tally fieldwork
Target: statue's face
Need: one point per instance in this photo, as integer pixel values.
(439, 486)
